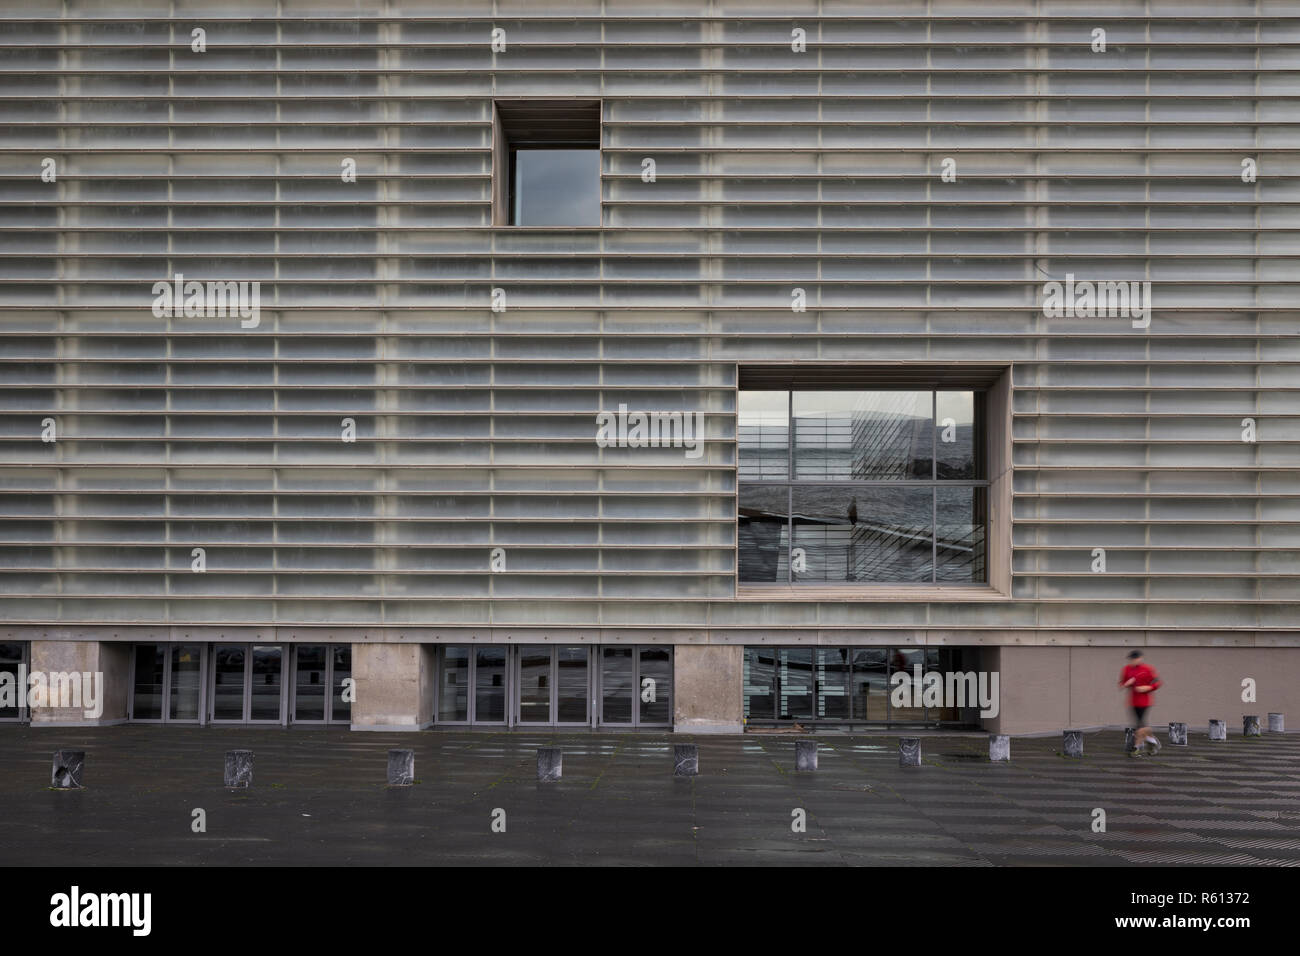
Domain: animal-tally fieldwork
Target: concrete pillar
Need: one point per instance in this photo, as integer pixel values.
(99, 670)
(1130, 739)
(708, 688)
(1218, 730)
(1276, 724)
(1178, 734)
(1072, 743)
(394, 684)
(1250, 726)
(909, 751)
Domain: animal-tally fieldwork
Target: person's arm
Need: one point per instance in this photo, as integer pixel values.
(1122, 681)
(1148, 688)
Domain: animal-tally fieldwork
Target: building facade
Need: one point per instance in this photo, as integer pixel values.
(699, 365)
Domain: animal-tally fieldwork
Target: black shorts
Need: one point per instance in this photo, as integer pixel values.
(1140, 716)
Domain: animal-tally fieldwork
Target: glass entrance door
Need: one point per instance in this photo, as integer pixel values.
(12, 658)
(248, 683)
(553, 685)
(228, 664)
(535, 684)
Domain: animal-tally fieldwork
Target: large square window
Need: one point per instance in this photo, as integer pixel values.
(861, 486)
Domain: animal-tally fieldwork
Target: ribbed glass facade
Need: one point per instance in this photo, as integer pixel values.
(401, 436)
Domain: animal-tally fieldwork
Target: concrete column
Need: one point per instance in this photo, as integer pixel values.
(107, 663)
(708, 688)
(394, 686)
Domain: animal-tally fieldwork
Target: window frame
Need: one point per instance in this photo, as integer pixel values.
(503, 149)
(982, 412)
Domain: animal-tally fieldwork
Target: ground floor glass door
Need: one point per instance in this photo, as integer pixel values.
(13, 657)
(553, 685)
(247, 683)
(544, 685)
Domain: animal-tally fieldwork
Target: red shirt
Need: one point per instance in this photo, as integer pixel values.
(1145, 676)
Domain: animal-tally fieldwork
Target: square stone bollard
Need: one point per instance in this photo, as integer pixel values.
(1130, 739)
(999, 747)
(550, 764)
(1178, 734)
(239, 768)
(69, 765)
(1250, 726)
(1072, 743)
(1218, 730)
(805, 755)
(909, 751)
(401, 768)
(1276, 724)
(686, 760)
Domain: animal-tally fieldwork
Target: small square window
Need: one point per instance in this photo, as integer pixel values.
(546, 163)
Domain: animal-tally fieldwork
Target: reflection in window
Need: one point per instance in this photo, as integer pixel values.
(556, 187)
(861, 486)
(852, 685)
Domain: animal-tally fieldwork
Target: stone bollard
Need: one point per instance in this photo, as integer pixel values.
(1072, 743)
(909, 751)
(401, 768)
(68, 768)
(1218, 730)
(1130, 739)
(805, 755)
(550, 764)
(686, 760)
(1178, 734)
(1276, 724)
(1250, 726)
(999, 747)
(239, 768)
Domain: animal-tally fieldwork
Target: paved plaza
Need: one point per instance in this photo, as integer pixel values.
(319, 797)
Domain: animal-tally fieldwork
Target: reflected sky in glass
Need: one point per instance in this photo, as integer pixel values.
(557, 187)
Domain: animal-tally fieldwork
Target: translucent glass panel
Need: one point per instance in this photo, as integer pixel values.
(827, 178)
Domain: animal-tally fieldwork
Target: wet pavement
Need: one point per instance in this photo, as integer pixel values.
(319, 797)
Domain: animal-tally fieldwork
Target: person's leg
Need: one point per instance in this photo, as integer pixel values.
(1142, 730)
